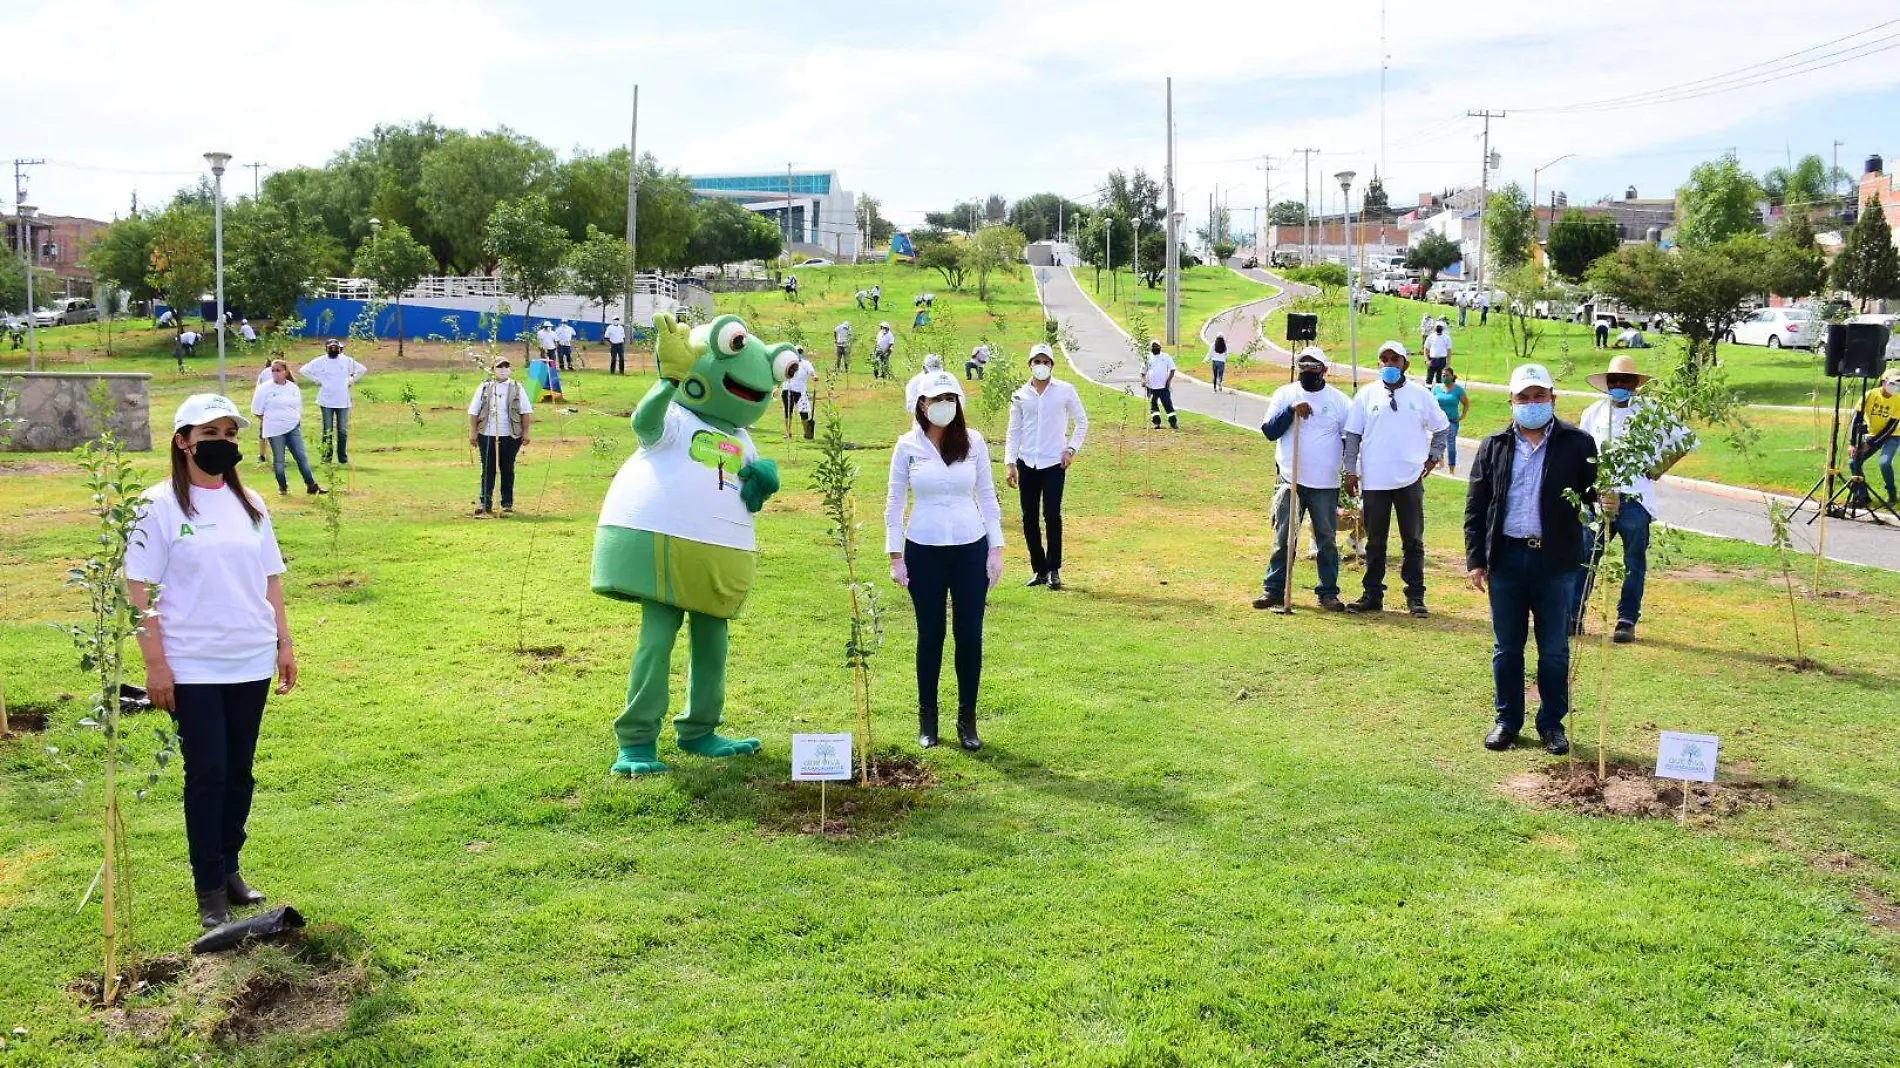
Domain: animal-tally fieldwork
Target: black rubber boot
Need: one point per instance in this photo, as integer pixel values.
(214, 907)
(966, 731)
(927, 729)
(241, 892)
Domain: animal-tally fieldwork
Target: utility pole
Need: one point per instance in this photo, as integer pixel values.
(1833, 179)
(788, 213)
(633, 213)
(1174, 238)
(1306, 225)
(255, 168)
(1484, 186)
(24, 238)
(1266, 205)
(1385, 60)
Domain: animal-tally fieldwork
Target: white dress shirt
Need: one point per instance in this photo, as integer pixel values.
(334, 375)
(1394, 442)
(1039, 424)
(496, 422)
(564, 334)
(951, 504)
(1160, 370)
(279, 406)
(616, 334)
(546, 337)
(1322, 434)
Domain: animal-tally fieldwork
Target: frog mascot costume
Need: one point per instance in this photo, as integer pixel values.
(676, 531)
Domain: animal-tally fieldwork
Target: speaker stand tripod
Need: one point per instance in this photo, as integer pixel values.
(1861, 496)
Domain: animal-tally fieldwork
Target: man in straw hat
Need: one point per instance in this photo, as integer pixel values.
(1630, 508)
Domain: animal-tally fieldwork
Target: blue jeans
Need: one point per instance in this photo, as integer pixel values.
(1451, 447)
(291, 440)
(1322, 505)
(336, 432)
(1220, 372)
(1631, 523)
(1887, 450)
(1525, 595)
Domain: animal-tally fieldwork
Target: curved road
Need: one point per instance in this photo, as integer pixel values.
(1102, 353)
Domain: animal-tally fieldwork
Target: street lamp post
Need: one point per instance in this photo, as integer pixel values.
(28, 260)
(1352, 300)
(1174, 277)
(217, 161)
(1535, 171)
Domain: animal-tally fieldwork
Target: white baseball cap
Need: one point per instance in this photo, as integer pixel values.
(1312, 352)
(1528, 375)
(1042, 350)
(202, 408)
(1394, 346)
(934, 384)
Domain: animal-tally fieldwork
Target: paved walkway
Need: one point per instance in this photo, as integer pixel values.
(1102, 354)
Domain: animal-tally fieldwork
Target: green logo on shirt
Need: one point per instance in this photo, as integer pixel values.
(185, 531)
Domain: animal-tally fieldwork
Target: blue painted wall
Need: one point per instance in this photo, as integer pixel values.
(421, 322)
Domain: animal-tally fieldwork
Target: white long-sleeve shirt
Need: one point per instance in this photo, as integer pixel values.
(1039, 424)
(615, 334)
(279, 406)
(334, 375)
(950, 504)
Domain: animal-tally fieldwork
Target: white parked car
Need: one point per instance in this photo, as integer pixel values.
(814, 263)
(1779, 328)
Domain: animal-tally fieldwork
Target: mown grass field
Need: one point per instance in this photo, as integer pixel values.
(1205, 292)
(1199, 834)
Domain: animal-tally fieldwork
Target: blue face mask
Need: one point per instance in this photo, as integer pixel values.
(1621, 395)
(1534, 416)
(1391, 376)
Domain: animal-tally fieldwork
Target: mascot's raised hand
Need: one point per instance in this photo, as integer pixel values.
(676, 530)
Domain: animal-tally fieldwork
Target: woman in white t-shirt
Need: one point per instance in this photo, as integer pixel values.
(1217, 359)
(950, 548)
(216, 637)
(278, 404)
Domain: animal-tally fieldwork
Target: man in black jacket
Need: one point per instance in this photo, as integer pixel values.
(1524, 542)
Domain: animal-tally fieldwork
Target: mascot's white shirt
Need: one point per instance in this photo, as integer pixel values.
(678, 486)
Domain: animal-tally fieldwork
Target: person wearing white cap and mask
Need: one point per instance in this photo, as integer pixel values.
(1321, 412)
(1631, 507)
(1523, 545)
(1037, 453)
(1157, 373)
(932, 364)
(1395, 436)
(334, 372)
(499, 419)
(564, 344)
(881, 351)
(550, 346)
(220, 636)
(616, 335)
(950, 548)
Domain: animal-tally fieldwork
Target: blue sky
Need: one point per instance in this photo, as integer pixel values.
(924, 103)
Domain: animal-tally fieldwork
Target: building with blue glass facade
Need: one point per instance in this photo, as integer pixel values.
(811, 207)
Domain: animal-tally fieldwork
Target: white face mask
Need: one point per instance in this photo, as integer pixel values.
(941, 413)
(1041, 371)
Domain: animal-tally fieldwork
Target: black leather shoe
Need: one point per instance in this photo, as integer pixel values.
(1417, 608)
(927, 740)
(966, 732)
(1365, 604)
(214, 908)
(927, 729)
(241, 892)
(1500, 738)
(1269, 600)
(1556, 742)
(1332, 604)
(1055, 580)
(1625, 633)
(1040, 580)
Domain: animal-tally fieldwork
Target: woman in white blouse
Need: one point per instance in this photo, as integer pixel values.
(278, 404)
(950, 548)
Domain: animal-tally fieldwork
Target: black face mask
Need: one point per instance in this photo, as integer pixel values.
(216, 456)
(1312, 381)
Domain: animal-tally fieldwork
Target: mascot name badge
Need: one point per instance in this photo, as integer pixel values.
(681, 544)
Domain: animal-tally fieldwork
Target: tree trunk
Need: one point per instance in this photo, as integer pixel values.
(399, 326)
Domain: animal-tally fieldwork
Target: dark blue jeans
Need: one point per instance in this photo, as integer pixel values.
(1631, 523)
(292, 441)
(336, 434)
(1220, 372)
(217, 736)
(959, 575)
(498, 453)
(1525, 597)
(1322, 506)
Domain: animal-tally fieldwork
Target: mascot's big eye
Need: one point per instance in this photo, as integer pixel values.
(731, 339)
(784, 365)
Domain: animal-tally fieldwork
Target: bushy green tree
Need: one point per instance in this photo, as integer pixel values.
(270, 259)
(1040, 215)
(1577, 241)
(1705, 289)
(1718, 203)
(946, 258)
(1433, 253)
(1868, 268)
(1287, 213)
(598, 266)
(1509, 229)
(1796, 266)
(994, 249)
(531, 248)
(1810, 182)
(182, 268)
(724, 232)
(394, 260)
(465, 179)
(122, 255)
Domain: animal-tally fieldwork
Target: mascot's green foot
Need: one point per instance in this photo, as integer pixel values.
(713, 745)
(639, 760)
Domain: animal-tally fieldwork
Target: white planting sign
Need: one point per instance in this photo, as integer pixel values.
(1690, 757)
(821, 757)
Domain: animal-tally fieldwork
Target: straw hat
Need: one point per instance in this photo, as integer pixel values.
(1619, 365)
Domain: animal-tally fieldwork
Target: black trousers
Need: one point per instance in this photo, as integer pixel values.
(1159, 399)
(616, 357)
(498, 453)
(1041, 492)
(960, 574)
(791, 398)
(217, 736)
(566, 356)
(1409, 503)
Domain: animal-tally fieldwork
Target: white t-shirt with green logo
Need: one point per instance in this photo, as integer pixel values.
(213, 568)
(686, 484)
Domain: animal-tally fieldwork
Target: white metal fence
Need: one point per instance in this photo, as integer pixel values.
(457, 286)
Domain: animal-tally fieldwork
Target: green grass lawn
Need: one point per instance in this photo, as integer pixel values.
(1205, 292)
(1199, 834)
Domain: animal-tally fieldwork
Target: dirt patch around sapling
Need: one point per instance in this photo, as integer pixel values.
(1882, 911)
(898, 786)
(25, 719)
(300, 984)
(1633, 792)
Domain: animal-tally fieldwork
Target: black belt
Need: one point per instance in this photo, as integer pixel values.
(1528, 543)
